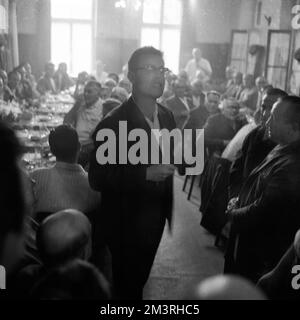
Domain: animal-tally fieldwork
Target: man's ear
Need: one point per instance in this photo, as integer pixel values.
(131, 76)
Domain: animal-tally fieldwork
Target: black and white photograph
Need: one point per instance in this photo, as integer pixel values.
(150, 151)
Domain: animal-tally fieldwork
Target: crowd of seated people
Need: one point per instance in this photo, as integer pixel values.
(249, 187)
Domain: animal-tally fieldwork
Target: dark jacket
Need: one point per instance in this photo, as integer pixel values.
(268, 217)
(44, 84)
(255, 148)
(198, 117)
(218, 129)
(277, 284)
(179, 110)
(128, 199)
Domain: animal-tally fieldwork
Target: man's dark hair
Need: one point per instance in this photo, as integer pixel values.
(213, 92)
(137, 54)
(292, 112)
(114, 76)
(275, 92)
(12, 202)
(93, 83)
(64, 142)
(49, 64)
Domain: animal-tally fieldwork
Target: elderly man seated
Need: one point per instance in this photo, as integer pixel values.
(66, 184)
(14, 81)
(47, 83)
(84, 117)
(62, 80)
(236, 87)
(60, 238)
(218, 131)
(179, 104)
(221, 128)
(265, 218)
(199, 113)
(256, 145)
(249, 95)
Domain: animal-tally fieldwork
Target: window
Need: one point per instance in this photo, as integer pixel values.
(71, 34)
(161, 29)
(3, 19)
(294, 83)
(239, 50)
(279, 43)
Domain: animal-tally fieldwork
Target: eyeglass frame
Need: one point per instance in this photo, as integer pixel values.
(151, 68)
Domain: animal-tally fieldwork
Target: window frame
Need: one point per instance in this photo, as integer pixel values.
(288, 57)
(161, 26)
(71, 22)
(244, 58)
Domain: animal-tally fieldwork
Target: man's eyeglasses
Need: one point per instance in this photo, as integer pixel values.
(151, 68)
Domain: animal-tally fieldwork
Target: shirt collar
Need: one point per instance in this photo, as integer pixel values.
(69, 166)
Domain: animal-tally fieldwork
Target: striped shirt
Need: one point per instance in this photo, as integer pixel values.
(63, 186)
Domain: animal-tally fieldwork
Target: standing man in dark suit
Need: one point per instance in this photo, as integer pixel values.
(136, 199)
(266, 216)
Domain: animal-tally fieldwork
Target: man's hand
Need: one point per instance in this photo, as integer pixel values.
(159, 172)
(231, 207)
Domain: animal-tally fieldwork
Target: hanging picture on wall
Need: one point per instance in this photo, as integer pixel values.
(279, 42)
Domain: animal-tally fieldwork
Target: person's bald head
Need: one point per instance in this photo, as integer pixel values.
(225, 287)
(63, 236)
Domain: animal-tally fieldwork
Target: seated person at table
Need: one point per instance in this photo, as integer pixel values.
(199, 113)
(29, 75)
(26, 91)
(47, 83)
(62, 80)
(110, 84)
(179, 104)
(114, 76)
(80, 84)
(120, 94)
(277, 284)
(84, 117)
(236, 87)
(249, 95)
(256, 145)
(126, 84)
(66, 184)
(14, 81)
(7, 94)
(221, 128)
(60, 238)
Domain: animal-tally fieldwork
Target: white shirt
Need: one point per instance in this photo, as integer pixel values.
(192, 68)
(236, 143)
(155, 123)
(87, 120)
(184, 101)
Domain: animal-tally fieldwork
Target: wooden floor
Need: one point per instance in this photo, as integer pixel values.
(186, 256)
